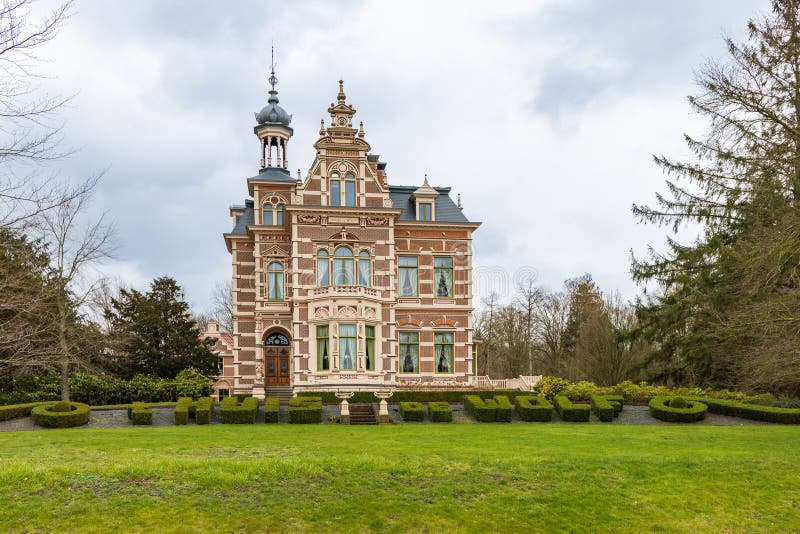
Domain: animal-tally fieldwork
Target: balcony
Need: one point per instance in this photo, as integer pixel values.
(344, 291)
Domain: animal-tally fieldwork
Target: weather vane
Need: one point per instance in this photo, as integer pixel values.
(272, 79)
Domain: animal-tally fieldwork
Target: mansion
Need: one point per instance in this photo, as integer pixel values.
(342, 281)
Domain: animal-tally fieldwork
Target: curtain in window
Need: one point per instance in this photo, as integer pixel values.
(347, 347)
(323, 266)
(363, 271)
(443, 277)
(267, 214)
(343, 272)
(443, 352)
(336, 194)
(408, 276)
(349, 193)
(369, 334)
(279, 213)
(409, 352)
(275, 281)
(323, 349)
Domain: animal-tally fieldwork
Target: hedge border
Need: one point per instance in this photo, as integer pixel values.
(13, 411)
(755, 412)
(305, 410)
(181, 415)
(505, 410)
(534, 409)
(203, 409)
(661, 410)
(440, 412)
(483, 410)
(272, 410)
(455, 396)
(140, 414)
(412, 411)
(77, 416)
(232, 411)
(571, 413)
(602, 408)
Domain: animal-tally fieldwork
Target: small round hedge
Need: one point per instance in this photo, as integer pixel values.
(664, 408)
(61, 415)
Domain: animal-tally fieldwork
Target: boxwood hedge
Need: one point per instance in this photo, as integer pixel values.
(603, 409)
(304, 410)
(272, 410)
(440, 412)
(505, 410)
(693, 411)
(12, 411)
(573, 413)
(182, 411)
(452, 395)
(236, 412)
(140, 414)
(412, 411)
(532, 408)
(203, 408)
(61, 414)
(756, 412)
(483, 410)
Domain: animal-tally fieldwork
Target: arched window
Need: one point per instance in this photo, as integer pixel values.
(272, 215)
(336, 190)
(275, 281)
(349, 189)
(343, 266)
(363, 269)
(323, 268)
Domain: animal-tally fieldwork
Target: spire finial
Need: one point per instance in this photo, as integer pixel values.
(340, 97)
(426, 179)
(459, 202)
(272, 79)
(322, 127)
(361, 129)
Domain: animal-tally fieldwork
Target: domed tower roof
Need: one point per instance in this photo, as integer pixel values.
(272, 113)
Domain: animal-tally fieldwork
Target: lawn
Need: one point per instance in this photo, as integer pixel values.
(427, 478)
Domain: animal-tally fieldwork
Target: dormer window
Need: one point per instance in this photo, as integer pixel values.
(425, 211)
(272, 214)
(346, 197)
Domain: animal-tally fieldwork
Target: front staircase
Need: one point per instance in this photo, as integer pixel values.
(362, 414)
(284, 393)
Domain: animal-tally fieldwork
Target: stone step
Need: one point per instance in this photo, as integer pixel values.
(362, 414)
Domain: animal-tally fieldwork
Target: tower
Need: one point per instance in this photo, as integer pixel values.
(273, 130)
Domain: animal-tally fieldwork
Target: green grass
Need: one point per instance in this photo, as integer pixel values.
(426, 478)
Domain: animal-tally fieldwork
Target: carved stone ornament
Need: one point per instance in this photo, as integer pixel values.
(321, 313)
(342, 166)
(387, 203)
(274, 250)
(369, 313)
(377, 221)
(259, 372)
(347, 311)
(308, 219)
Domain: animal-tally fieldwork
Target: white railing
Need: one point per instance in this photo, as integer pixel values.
(344, 291)
(482, 382)
(529, 382)
(524, 383)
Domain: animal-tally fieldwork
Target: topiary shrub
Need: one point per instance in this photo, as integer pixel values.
(77, 414)
(305, 410)
(662, 408)
(140, 414)
(182, 411)
(233, 411)
(617, 402)
(412, 411)
(272, 410)
(602, 408)
(440, 412)
(447, 395)
(203, 408)
(61, 407)
(505, 410)
(482, 410)
(532, 408)
(677, 402)
(572, 413)
(755, 412)
(12, 411)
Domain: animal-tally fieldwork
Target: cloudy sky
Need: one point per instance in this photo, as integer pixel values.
(544, 115)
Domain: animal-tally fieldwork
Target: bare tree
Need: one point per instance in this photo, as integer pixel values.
(529, 298)
(551, 317)
(75, 247)
(222, 306)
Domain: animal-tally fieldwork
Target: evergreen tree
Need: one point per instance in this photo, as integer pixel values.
(154, 333)
(727, 308)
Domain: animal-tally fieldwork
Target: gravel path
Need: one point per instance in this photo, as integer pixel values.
(162, 416)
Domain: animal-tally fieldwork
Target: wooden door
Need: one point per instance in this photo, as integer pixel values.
(276, 360)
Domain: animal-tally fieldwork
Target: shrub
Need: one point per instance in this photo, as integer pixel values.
(140, 414)
(190, 383)
(661, 408)
(573, 413)
(151, 389)
(98, 390)
(448, 395)
(602, 408)
(617, 402)
(77, 415)
(234, 411)
(440, 412)
(678, 402)
(483, 410)
(532, 408)
(751, 411)
(272, 410)
(505, 410)
(304, 410)
(412, 411)
(13, 411)
(203, 408)
(581, 391)
(182, 411)
(550, 386)
(61, 407)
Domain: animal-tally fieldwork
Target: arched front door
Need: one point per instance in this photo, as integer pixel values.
(276, 360)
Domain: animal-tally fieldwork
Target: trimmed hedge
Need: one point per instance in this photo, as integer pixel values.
(617, 401)
(452, 395)
(770, 414)
(483, 410)
(505, 410)
(412, 411)
(12, 411)
(182, 411)
(235, 412)
(272, 410)
(660, 409)
(532, 408)
(603, 409)
(305, 410)
(140, 414)
(203, 408)
(440, 412)
(77, 414)
(572, 413)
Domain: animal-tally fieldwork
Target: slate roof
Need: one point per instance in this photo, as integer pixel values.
(274, 174)
(245, 219)
(446, 209)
